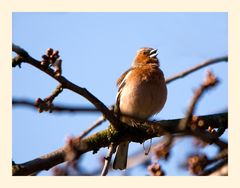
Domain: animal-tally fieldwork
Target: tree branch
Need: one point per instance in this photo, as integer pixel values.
(25, 57)
(108, 158)
(98, 122)
(57, 108)
(209, 82)
(197, 67)
(216, 169)
(106, 137)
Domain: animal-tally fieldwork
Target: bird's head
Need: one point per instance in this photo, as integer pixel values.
(146, 56)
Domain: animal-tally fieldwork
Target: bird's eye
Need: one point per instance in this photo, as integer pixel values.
(145, 53)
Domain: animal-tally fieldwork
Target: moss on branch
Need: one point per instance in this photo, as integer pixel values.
(104, 138)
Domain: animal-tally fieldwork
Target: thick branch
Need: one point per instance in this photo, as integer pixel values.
(106, 137)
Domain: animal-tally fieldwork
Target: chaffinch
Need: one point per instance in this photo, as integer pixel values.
(142, 92)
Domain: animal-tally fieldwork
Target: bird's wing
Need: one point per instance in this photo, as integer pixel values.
(120, 83)
(122, 78)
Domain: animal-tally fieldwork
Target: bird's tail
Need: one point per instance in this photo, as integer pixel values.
(120, 161)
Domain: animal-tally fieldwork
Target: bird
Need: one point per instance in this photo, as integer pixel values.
(142, 93)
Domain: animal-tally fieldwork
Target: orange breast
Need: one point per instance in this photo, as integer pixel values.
(144, 93)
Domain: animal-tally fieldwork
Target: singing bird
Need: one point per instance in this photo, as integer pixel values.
(142, 92)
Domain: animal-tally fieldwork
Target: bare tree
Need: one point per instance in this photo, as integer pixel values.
(206, 129)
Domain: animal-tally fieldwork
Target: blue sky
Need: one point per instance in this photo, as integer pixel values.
(96, 48)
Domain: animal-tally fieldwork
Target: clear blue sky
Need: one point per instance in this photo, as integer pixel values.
(96, 48)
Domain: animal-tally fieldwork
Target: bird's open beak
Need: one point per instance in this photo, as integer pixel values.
(153, 53)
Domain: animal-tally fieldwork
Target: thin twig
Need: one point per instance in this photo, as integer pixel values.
(209, 82)
(47, 103)
(197, 67)
(57, 108)
(108, 158)
(55, 93)
(98, 122)
(207, 137)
